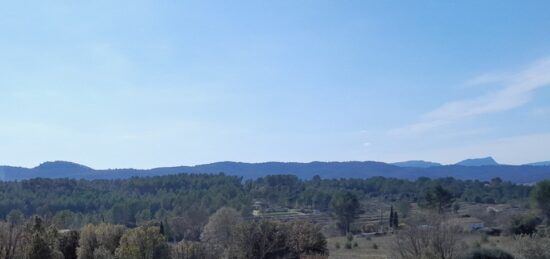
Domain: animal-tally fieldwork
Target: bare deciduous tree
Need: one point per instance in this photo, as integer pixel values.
(103, 236)
(430, 239)
(220, 227)
(305, 238)
(259, 240)
(11, 234)
(192, 250)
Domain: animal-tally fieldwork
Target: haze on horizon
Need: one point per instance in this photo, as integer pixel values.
(145, 84)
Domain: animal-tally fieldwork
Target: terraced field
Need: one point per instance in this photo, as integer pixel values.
(376, 214)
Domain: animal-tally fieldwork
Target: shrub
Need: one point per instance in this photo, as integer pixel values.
(523, 225)
(313, 257)
(484, 253)
(337, 245)
(484, 238)
(374, 246)
(355, 244)
(422, 241)
(349, 237)
(348, 245)
(533, 247)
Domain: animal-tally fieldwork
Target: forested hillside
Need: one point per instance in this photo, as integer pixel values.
(72, 203)
(220, 216)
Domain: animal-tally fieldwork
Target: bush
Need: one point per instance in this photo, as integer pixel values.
(524, 225)
(355, 244)
(484, 253)
(348, 245)
(484, 238)
(337, 245)
(437, 240)
(533, 247)
(313, 257)
(374, 246)
(349, 237)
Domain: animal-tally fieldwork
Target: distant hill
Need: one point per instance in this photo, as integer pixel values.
(478, 162)
(62, 167)
(416, 164)
(353, 169)
(543, 163)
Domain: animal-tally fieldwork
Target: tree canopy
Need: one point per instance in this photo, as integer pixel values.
(541, 197)
(346, 208)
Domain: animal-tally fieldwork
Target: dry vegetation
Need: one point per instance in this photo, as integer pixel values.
(458, 242)
(375, 248)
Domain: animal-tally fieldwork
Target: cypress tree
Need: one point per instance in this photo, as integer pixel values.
(391, 216)
(395, 220)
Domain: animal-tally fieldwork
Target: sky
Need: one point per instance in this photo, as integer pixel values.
(115, 84)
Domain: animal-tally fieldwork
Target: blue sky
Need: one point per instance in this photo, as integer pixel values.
(157, 83)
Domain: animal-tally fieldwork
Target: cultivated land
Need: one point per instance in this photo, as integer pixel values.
(382, 246)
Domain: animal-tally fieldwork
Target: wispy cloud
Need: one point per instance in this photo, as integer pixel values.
(517, 89)
(486, 79)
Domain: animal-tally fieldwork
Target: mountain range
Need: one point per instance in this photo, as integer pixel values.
(543, 163)
(480, 169)
(485, 161)
(416, 163)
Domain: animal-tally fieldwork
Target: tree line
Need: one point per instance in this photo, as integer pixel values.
(183, 202)
(226, 235)
(317, 193)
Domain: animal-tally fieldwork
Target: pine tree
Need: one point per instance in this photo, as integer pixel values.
(38, 247)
